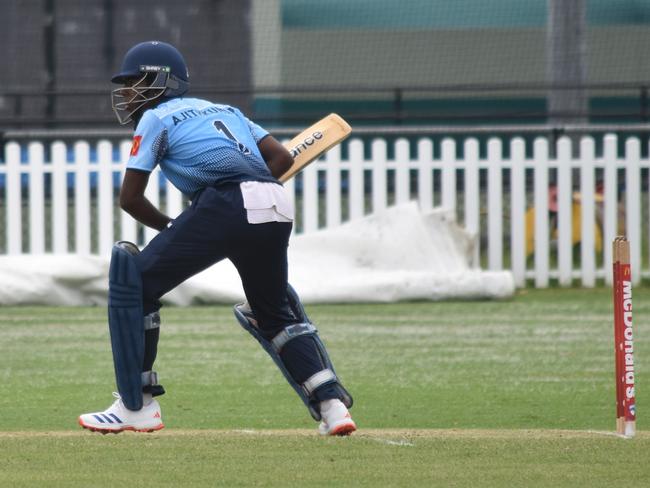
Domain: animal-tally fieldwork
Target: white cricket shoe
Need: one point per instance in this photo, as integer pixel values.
(336, 419)
(118, 418)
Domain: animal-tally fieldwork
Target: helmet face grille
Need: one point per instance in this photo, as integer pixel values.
(128, 100)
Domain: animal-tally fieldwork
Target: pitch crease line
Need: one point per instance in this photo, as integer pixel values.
(388, 441)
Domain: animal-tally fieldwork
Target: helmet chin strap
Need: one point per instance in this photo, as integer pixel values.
(175, 87)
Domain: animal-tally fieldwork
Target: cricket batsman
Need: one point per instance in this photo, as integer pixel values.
(229, 167)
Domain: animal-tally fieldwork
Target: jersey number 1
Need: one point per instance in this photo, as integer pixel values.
(223, 128)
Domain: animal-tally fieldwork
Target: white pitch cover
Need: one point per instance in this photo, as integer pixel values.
(398, 254)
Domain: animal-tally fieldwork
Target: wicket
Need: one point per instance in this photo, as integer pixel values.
(623, 338)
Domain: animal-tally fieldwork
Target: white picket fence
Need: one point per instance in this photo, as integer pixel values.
(473, 186)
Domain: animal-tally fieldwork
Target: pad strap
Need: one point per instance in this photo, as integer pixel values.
(150, 384)
(319, 379)
(291, 332)
(149, 378)
(152, 321)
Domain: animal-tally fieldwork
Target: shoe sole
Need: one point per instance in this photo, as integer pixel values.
(345, 429)
(117, 431)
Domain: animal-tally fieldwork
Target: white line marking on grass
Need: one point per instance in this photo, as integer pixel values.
(388, 441)
(604, 432)
(400, 437)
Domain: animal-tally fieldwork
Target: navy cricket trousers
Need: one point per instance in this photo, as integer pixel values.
(213, 228)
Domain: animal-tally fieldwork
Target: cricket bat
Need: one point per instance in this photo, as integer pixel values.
(314, 141)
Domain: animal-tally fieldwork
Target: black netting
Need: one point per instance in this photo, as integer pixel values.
(286, 62)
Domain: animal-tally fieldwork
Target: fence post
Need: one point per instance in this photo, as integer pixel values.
(310, 198)
(105, 197)
(14, 200)
(588, 212)
(495, 204)
(540, 151)
(472, 202)
(611, 201)
(564, 203)
(425, 174)
(36, 198)
(633, 205)
(402, 171)
(82, 197)
(356, 184)
(59, 199)
(379, 197)
(449, 175)
(333, 187)
(518, 210)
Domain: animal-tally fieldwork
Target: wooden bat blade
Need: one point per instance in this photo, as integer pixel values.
(314, 141)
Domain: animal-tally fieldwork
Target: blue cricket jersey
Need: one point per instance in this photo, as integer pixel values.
(198, 144)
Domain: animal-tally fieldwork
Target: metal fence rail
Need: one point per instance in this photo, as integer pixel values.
(518, 103)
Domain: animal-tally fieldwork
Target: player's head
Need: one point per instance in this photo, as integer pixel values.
(150, 71)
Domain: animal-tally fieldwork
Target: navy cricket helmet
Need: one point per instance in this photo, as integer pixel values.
(151, 70)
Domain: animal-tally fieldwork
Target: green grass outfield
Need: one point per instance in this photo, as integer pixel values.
(492, 393)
